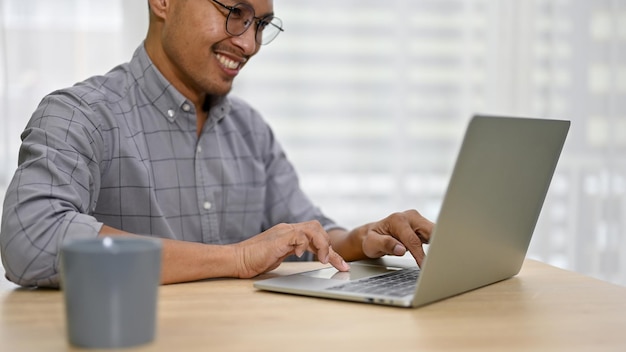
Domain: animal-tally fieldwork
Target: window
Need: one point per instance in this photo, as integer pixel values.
(370, 98)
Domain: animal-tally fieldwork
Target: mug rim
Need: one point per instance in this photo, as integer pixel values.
(111, 245)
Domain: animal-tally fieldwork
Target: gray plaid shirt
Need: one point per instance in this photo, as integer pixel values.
(122, 150)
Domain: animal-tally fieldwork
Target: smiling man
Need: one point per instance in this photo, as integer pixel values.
(157, 147)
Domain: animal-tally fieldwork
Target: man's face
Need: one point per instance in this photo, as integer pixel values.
(202, 56)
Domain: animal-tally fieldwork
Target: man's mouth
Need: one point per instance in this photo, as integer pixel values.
(229, 63)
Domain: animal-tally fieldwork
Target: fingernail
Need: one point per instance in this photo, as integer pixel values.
(399, 250)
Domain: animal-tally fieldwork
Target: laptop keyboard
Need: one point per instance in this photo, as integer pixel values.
(397, 283)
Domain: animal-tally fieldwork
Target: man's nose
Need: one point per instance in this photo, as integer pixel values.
(247, 40)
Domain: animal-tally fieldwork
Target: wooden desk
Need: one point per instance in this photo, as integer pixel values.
(543, 308)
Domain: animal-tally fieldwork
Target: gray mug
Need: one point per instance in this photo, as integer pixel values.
(110, 286)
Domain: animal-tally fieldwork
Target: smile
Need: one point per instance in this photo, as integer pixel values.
(228, 63)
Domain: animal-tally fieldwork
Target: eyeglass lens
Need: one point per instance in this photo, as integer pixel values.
(241, 17)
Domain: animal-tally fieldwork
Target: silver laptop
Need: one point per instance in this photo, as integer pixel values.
(483, 230)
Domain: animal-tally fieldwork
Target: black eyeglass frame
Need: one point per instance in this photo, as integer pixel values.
(258, 38)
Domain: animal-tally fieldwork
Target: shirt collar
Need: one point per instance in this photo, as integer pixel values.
(162, 94)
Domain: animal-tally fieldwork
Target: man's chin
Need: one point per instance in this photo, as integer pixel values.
(221, 90)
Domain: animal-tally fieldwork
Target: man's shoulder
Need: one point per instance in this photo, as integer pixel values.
(112, 92)
(92, 102)
(109, 88)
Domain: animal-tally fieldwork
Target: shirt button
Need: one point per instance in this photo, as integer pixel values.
(170, 113)
(186, 107)
(207, 205)
(199, 149)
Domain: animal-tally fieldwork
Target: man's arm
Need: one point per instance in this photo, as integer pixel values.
(53, 191)
(188, 261)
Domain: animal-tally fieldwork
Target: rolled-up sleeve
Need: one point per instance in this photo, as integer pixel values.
(52, 192)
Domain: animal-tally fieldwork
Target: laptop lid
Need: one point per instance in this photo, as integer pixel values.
(488, 215)
(492, 204)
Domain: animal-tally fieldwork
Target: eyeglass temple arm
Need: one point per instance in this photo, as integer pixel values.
(279, 28)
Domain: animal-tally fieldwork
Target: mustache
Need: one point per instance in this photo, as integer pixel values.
(221, 47)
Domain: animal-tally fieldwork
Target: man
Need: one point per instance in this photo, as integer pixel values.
(157, 147)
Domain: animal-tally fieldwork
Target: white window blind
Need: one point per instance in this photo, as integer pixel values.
(370, 98)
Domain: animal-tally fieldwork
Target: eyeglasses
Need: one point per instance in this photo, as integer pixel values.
(241, 16)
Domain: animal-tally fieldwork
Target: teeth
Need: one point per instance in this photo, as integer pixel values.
(228, 63)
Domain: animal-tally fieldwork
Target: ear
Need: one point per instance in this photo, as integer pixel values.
(159, 7)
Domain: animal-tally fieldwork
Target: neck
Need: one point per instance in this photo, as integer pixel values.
(208, 102)
(203, 113)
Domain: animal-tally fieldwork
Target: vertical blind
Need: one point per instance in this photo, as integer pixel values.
(371, 98)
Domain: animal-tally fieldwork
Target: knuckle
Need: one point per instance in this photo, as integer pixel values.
(395, 216)
(394, 220)
(413, 213)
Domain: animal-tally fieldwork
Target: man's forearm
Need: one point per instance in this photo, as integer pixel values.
(189, 261)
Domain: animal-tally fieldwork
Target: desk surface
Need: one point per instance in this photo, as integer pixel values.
(543, 308)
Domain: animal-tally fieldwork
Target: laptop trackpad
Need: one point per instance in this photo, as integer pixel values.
(357, 271)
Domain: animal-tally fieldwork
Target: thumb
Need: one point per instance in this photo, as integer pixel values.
(398, 249)
(380, 245)
(392, 246)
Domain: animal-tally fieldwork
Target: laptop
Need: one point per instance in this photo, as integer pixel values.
(483, 230)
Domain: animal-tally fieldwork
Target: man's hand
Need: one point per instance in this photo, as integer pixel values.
(265, 252)
(396, 234)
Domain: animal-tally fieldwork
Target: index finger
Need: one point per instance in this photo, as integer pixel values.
(413, 230)
(337, 261)
(318, 240)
